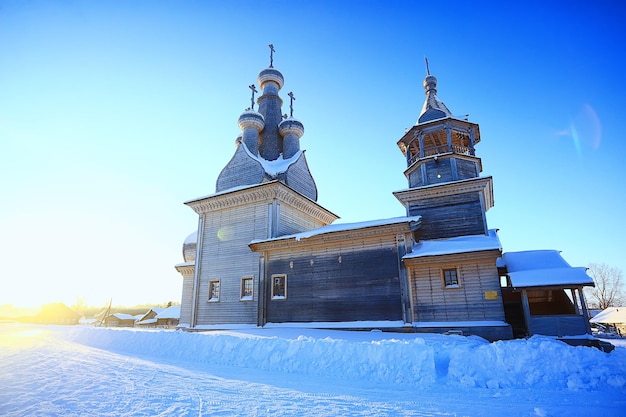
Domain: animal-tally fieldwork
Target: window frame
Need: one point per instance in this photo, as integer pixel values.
(444, 279)
(210, 297)
(242, 296)
(273, 294)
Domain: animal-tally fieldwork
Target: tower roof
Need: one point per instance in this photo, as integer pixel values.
(433, 107)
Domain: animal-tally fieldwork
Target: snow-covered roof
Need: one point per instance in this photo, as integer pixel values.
(124, 316)
(156, 310)
(146, 321)
(540, 268)
(172, 312)
(461, 244)
(611, 315)
(341, 227)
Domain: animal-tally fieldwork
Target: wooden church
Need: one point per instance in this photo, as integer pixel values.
(267, 254)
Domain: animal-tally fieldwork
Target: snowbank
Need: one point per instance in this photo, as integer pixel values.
(413, 359)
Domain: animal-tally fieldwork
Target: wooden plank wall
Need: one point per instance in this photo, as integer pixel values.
(433, 302)
(187, 294)
(443, 167)
(347, 281)
(293, 221)
(416, 178)
(449, 216)
(467, 169)
(227, 257)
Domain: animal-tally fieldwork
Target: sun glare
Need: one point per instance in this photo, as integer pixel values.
(19, 336)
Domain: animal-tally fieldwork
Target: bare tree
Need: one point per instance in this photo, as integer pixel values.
(608, 291)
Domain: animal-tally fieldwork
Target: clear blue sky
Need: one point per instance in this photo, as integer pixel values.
(113, 113)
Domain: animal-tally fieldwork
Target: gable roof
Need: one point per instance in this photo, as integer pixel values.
(542, 268)
(150, 313)
(124, 316)
(172, 312)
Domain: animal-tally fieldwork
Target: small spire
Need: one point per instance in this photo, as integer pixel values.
(292, 97)
(253, 88)
(272, 50)
(433, 107)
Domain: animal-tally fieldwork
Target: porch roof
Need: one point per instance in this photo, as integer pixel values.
(542, 268)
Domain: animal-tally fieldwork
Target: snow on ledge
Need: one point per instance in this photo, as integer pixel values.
(461, 244)
(225, 326)
(277, 166)
(339, 325)
(486, 323)
(342, 227)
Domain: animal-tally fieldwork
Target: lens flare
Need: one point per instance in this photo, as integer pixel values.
(225, 233)
(585, 130)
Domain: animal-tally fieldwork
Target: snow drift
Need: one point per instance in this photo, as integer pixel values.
(413, 359)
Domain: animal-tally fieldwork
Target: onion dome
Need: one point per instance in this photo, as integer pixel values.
(189, 247)
(271, 75)
(433, 107)
(430, 84)
(291, 126)
(251, 118)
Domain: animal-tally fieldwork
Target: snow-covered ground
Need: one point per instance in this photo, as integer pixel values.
(85, 371)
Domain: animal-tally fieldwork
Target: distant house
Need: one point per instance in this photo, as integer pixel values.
(612, 316)
(160, 317)
(169, 317)
(149, 318)
(56, 313)
(120, 320)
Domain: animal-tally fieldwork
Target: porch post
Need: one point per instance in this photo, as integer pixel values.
(526, 307)
(583, 304)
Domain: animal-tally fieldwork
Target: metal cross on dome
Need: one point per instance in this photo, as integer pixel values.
(272, 50)
(291, 103)
(253, 88)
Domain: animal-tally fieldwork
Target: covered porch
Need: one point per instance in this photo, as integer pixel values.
(543, 294)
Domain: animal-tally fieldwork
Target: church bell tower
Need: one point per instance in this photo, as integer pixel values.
(443, 171)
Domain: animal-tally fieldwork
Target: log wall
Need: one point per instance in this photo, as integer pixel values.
(433, 302)
(450, 216)
(348, 281)
(226, 257)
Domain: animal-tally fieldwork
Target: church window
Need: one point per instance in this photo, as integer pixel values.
(279, 287)
(247, 288)
(214, 291)
(450, 278)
